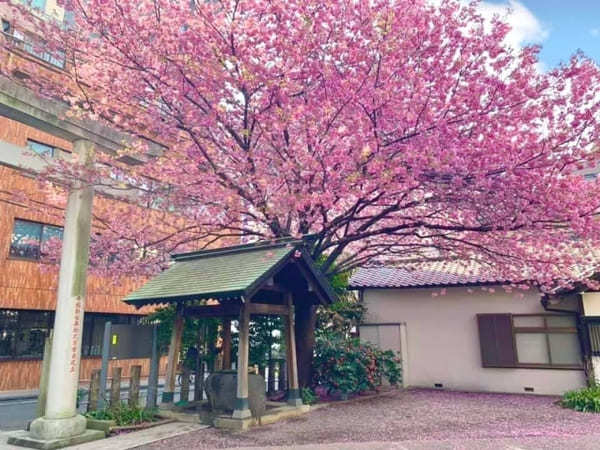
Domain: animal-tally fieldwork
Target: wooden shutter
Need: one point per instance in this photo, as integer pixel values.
(496, 340)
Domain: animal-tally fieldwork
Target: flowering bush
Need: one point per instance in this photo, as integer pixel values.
(350, 366)
(584, 400)
(308, 396)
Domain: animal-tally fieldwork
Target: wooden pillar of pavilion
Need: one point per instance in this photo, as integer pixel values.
(242, 409)
(294, 397)
(168, 394)
(226, 344)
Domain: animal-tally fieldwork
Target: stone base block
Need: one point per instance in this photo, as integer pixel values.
(102, 425)
(295, 402)
(229, 423)
(294, 398)
(271, 416)
(24, 439)
(47, 429)
(241, 414)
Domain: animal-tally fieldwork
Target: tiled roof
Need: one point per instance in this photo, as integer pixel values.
(223, 273)
(432, 274)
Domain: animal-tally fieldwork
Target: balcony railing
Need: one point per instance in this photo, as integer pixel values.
(34, 46)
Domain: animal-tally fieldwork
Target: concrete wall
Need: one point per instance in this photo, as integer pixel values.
(442, 339)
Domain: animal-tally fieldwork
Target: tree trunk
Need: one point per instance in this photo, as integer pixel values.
(306, 320)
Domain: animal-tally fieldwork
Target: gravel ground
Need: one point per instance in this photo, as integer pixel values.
(408, 416)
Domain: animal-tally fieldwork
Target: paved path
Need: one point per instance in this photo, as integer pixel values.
(417, 420)
(403, 420)
(141, 438)
(581, 443)
(127, 440)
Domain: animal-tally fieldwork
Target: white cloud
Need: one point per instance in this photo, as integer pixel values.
(595, 32)
(526, 27)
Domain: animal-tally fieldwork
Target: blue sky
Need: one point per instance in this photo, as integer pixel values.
(560, 26)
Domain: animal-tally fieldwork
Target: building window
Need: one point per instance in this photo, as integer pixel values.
(530, 341)
(45, 150)
(547, 340)
(29, 238)
(41, 149)
(22, 333)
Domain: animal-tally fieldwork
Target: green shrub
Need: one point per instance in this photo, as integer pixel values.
(350, 366)
(124, 415)
(584, 400)
(308, 396)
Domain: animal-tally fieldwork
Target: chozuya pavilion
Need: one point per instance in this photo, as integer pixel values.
(264, 278)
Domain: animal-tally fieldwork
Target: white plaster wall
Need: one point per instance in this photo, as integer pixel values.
(591, 303)
(596, 369)
(442, 339)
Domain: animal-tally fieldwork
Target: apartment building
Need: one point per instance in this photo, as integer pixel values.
(29, 127)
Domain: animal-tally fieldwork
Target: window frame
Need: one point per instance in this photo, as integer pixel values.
(546, 331)
(41, 239)
(490, 344)
(53, 149)
(21, 318)
(86, 337)
(27, 45)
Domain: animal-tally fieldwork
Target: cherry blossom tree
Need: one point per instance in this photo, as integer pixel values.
(385, 129)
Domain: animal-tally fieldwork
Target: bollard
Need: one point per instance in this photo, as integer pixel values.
(134, 386)
(94, 391)
(115, 388)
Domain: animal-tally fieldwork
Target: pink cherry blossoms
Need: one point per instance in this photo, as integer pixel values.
(385, 129)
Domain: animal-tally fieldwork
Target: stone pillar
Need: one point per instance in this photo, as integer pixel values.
(43, 394)
(61, 420)
(294, 398)
(226, 344)
(242, 409)
(173, 358)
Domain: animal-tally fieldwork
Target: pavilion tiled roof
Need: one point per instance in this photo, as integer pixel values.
(431, 274)
(224, 273)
